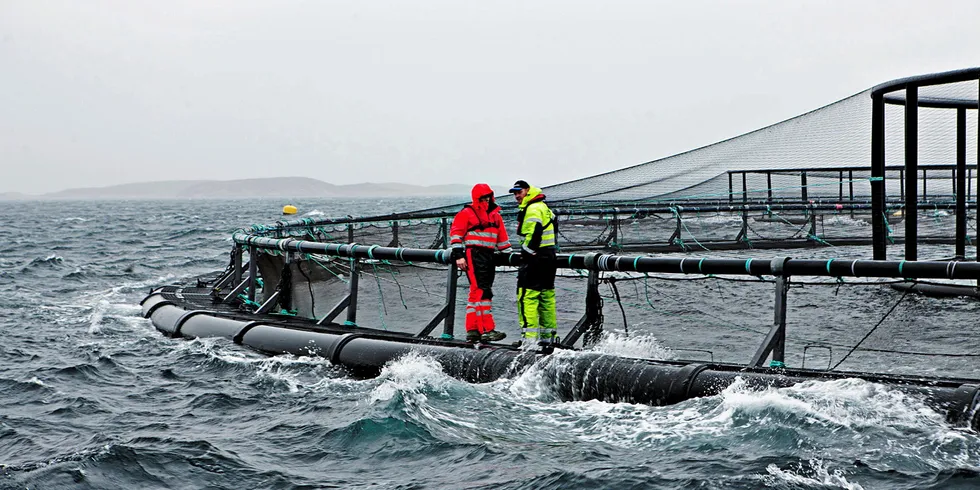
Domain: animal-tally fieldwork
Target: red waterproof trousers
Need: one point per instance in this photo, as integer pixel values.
(480, 272)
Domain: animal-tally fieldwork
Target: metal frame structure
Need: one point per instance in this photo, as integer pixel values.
(886, 94)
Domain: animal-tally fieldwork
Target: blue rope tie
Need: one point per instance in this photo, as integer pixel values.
(748, 266)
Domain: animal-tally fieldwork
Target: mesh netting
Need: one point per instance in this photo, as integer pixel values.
(832, 137)
(803, 182)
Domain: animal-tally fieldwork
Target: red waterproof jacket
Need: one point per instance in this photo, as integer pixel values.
(478, 224)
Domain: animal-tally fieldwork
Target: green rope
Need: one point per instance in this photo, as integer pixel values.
(646, 290)
(391, 270)
(324, 267)
(819, 240)
(248, 302)
(888, 228)
(688, 230)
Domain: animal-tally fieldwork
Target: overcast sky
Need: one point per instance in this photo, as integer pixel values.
(100, 92)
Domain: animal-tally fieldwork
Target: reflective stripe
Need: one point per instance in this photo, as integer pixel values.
(486, 234)
(480, 239)
(474, 243)
(533, 220)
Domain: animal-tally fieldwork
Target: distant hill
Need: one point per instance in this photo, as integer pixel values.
(13, 196)
(285, 187)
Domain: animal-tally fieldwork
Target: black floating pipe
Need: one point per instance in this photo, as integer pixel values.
(573, 375)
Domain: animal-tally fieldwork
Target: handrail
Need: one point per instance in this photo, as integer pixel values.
(820, 203)
(645, 264)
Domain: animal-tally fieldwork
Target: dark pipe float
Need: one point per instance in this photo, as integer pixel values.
(583, 376)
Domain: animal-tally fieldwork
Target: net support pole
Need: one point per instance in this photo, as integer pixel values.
(451, 286)
(355, 272)
(769, 188)
(252, 275)
(237, 257)
(878, 224)
(743, 233)
(960, 183)
(912, 172)
(675, 238)
(731, 188)
(590, 324)
(444, 229)
(803, 187)
(394, 234)
(840, 186)
(446, 314)
(813, 223)
(775, 341)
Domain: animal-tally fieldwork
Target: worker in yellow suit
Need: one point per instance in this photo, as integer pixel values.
(536, 276)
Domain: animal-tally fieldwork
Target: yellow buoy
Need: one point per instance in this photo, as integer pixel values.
(289, 209)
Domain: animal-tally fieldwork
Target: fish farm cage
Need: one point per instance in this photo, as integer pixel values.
(876, 174)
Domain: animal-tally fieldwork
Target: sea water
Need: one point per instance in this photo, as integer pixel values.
(92, 396)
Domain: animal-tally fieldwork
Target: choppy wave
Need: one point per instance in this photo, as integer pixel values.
(94, 397)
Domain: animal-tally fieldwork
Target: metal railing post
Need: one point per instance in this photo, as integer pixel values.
(237, 255)
(775, 341)
(355, 271)
(451, 284)
(252, 268)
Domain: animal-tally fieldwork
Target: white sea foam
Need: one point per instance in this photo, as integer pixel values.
(619, 424)
(844, 220)
(96, 316)
(412, 374)
(851, 403)
(644, 346)
(815, 475)
(315, 212)
(719, 219)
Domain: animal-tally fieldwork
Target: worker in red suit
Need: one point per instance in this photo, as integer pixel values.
(477, 233)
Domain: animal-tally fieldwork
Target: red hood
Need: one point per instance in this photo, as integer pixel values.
(480, 190)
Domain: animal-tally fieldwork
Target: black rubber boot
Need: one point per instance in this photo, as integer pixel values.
(493, 336)
(472, 336)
